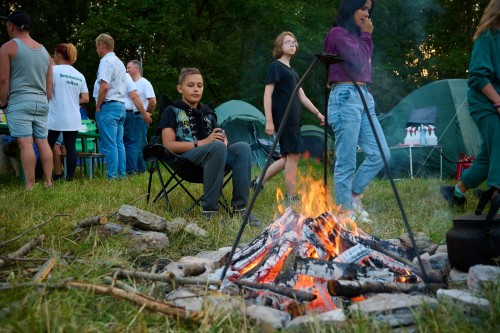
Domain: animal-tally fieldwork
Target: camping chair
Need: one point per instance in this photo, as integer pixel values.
(261, 145)
(179, 170)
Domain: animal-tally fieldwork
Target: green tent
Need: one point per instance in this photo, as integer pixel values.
(444, 105)
(233, 116)
(314, 140)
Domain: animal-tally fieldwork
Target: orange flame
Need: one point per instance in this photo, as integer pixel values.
(315, 198)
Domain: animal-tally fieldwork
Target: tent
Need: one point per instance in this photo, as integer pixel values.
(233, 116)
(444, 105)
(243, 122)
(314, 140)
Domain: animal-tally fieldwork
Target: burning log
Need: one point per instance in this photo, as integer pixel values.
(298, 295)
(360, 254)
(252, 252)
(356, 288)
(268, 269)
(325, 269)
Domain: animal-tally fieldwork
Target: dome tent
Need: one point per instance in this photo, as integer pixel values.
(455, 129)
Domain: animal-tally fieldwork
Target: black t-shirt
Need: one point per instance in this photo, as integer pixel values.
(188, 122)
(285, 80)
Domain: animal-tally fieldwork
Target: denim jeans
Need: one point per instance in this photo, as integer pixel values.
(142, 132)
(110, 123)
(348, 119)
(214, 158)
(130, 141)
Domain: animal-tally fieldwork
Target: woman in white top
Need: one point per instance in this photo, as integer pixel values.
(70, 91)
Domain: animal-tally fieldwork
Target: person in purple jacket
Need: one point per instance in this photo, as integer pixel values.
(351, 39)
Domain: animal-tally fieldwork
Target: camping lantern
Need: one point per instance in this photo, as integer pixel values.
(463, 163)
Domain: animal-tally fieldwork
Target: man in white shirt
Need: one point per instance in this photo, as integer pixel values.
(148, 98)
(109, 92)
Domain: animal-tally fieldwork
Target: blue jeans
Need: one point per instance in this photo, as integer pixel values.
(130, 141)
(110, 123)
(348, 119)
(142, 132)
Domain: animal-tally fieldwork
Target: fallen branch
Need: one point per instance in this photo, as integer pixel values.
(44, 271)
(92, 221)
(142, 300)
(13, 286)
(349, 288)
(119, 284)
(23, 249)
(29, 230)
(166, 277)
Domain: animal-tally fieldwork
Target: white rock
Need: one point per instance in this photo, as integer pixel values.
(466, 300)
(480, 275)
(275, 318)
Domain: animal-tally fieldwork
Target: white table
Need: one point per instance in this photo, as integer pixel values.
(410, 154)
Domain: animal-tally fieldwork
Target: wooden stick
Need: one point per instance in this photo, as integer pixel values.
(142, 300)
(35, 227)
(45, 270)
(299, 295)
(166, 277)
(119, 284)
(11, 286)
(349, 288)
(92, 221)
(23, 249)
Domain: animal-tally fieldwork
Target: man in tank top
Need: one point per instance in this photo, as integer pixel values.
(24, 94)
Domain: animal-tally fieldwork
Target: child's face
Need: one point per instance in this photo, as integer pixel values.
(191, 89)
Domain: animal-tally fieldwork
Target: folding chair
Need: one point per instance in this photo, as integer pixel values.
(179, 170)
(261, 145)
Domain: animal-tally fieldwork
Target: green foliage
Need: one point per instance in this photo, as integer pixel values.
(416, 42)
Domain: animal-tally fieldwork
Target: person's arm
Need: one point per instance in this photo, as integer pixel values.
(136, 100)
(5, 55)
(101, 95)
(268, 108)
(151, 104)
(310, 106)
(84, 98)
(49, 84)
(492, 95)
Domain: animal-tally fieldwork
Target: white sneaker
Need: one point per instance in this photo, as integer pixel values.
(360, 214)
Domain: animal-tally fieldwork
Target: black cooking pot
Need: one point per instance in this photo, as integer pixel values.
(472, 240)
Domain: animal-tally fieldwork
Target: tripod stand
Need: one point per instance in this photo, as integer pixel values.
(327, 59)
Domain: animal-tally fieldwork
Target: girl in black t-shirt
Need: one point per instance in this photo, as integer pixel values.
(281, 80)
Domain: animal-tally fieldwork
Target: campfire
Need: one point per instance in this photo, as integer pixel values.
(318, 259)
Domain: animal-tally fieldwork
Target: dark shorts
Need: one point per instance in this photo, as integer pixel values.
(291, 141)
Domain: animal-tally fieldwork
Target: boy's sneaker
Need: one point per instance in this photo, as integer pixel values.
(252, 220)
(254, 183)
(448, 194)
(209, 214)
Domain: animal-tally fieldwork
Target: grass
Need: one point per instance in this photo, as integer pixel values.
(60, 310)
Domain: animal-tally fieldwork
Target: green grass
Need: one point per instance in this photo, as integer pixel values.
(60, 310)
